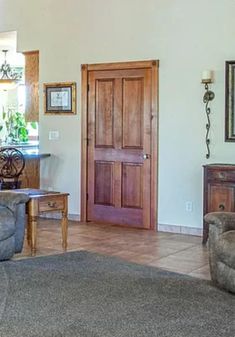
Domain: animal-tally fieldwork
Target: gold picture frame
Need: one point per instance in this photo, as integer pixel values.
(60, 98)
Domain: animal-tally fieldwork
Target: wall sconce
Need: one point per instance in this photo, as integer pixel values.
(208, 96)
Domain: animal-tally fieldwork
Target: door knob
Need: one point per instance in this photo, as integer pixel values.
(146, 156)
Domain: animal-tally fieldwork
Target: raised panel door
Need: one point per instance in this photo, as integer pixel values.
(119, 134)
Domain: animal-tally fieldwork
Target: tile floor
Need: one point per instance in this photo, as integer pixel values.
(175, 252)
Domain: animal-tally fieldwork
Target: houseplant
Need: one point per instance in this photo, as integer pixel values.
(15, 127)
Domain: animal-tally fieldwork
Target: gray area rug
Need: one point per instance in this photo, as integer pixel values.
(90, 295)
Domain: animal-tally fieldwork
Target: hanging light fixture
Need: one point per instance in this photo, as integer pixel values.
(8, 78)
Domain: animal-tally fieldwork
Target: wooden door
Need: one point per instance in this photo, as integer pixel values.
(119, 158)
(119, 146)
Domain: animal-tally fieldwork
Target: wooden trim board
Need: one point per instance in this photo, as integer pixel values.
(85, 68)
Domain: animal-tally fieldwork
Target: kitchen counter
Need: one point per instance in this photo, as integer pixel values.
(21, 145)
(34, 153)
(30, 150)
(30, 177)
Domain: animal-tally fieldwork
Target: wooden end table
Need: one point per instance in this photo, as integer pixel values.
(45, 201)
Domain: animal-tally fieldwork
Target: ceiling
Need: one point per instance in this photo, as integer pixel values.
(8, 40)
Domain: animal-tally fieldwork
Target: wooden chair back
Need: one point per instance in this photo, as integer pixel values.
(12, 163)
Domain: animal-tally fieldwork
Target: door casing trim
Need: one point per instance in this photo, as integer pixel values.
(85, 68)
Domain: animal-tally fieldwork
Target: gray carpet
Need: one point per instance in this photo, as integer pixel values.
(90, 295)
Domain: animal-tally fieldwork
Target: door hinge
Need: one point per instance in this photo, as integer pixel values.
(88, 87)
(87, 196)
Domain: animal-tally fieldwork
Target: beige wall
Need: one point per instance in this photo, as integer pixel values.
(186, 36)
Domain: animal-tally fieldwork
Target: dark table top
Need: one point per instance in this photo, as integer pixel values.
(29, 150)
(34, 153)
(34, 192)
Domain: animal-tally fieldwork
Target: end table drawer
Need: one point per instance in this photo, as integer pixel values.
(221, 175)
(51, 205)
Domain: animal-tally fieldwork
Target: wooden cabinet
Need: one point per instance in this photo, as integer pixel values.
(30, 177)
(219, 191)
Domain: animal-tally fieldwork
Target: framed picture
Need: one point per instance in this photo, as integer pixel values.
(230, 101)
(60, 98)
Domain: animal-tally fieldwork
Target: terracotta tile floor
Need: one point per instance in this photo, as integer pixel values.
(176, 252)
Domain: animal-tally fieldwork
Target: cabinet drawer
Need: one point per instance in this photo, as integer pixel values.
(51, 204)
(221, 175)
(220, 198)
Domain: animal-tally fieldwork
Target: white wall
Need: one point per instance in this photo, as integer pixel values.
(186, 36)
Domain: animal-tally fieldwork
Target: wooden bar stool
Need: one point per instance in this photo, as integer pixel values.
(12, 163)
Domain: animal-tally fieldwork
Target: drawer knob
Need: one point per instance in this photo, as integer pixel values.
(222, 175)
(52, 204)
(221, 207)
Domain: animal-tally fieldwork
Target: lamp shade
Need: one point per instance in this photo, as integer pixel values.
(207, 76)
(8, 84)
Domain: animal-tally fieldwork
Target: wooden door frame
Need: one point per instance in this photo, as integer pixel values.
(85, 68)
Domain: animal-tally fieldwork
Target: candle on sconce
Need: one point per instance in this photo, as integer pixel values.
(207, 76)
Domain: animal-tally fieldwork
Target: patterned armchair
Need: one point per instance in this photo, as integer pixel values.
(222, 248)
(12, 223)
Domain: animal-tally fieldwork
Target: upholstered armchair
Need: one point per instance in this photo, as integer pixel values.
(222, 248)
(12, 223)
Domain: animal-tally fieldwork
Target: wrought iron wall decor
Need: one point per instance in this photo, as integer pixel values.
(207, 98)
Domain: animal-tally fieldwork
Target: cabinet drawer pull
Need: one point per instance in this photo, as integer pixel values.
(51, 204)
(222, 207)
(222, 175)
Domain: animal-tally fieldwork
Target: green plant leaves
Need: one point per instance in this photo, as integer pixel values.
(16, 126)
(33, 125)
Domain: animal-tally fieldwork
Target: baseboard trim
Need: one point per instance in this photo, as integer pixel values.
(180, 229)
(57, 215)
(161, 227)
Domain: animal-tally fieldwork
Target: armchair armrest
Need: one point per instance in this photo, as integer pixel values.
(223, 221)
(11, 199)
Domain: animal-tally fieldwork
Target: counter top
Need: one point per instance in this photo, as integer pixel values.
(29, 150)
(22, 145)
(34, 153)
